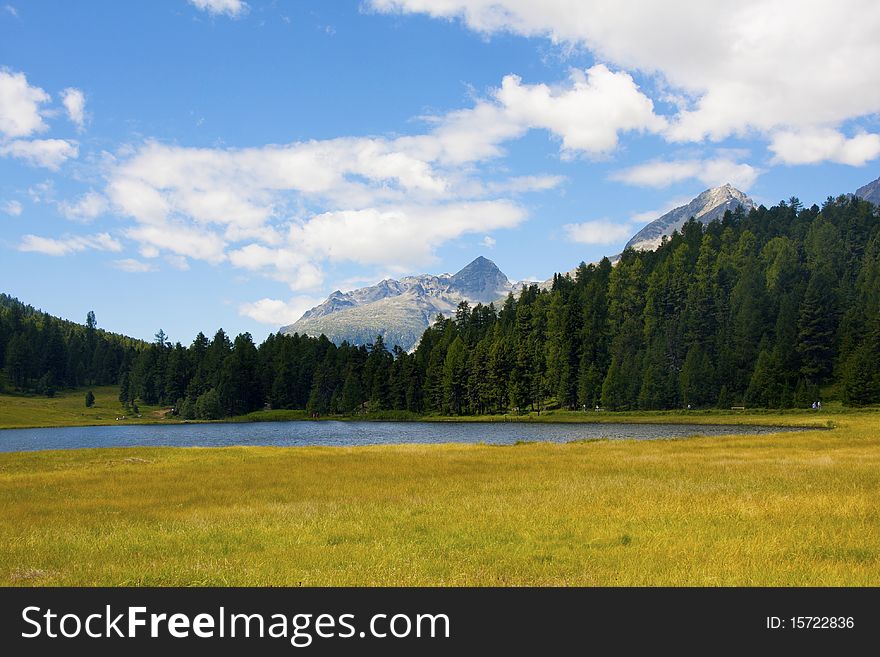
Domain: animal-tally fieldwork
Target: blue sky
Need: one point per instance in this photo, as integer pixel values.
(188, 165)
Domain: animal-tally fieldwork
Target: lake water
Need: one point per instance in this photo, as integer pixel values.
(339, 434)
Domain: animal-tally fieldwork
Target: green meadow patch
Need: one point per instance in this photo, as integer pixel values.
(68, 408)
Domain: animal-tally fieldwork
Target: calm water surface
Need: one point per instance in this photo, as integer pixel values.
(339, 434)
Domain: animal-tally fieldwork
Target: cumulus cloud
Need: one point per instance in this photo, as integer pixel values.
(588, 114)
(405, 235)
(710, 172)
(178, 262)
(20, 111)
(231, 8)
(69, 244)
(46, 153)
(180, 239)
(12, 208)
(277, 312)
(712, 57)
(819, 145)
(74, 102)
(372, 200)
(87, 207)
(488, 242)
(133, 266)
(400, 236)
(600, 231)
(243, 188)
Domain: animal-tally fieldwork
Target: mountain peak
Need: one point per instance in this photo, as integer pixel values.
(709, 205)
(724, 191)
(481, 280)
(481, 264)
(401, 310)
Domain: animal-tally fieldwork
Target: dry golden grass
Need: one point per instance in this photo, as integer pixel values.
(785, 509)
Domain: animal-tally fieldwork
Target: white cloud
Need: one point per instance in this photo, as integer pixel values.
(12, 11)
(180, 239)
(87, 207)
(397, 236)
(523, 184)
(42, 192)
(587, 115)
(276, 312)
(286, 264)
(244, 188)
(286, 210)
(232, 8)
(819, 145)
(133, 266)
(403, 235)
(74, 102)
(230, 196)
(178, 262)
(47, 153)
(489, 242)
(12, 208)
(750, 65)
(710, 172)
(70, 244)
(20, 114)
(600, 231)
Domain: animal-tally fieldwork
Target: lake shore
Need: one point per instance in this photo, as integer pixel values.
(67, 409)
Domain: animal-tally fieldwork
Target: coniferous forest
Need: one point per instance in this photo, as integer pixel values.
(772, 308)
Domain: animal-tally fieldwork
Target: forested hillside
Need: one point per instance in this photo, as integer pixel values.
(42, 353)
(758, 309)
(764, 309)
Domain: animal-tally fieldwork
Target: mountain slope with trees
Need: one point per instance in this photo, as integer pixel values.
(41, 353)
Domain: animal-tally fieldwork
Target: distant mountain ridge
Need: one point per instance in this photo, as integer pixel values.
(870, 192)
(401, 310)
(706, 207)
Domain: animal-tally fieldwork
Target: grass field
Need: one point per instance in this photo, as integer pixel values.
(786, 509)
(68, 408)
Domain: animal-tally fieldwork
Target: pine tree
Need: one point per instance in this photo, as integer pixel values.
(861, 377)
(455, 377)
(817, 328)
(124, 389)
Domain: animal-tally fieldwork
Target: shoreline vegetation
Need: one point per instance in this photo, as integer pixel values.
(721, 511)
(67, 409)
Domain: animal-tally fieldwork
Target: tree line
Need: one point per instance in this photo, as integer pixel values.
(775, 308)
(42, 354)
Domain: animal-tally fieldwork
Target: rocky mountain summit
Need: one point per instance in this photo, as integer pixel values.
(708, 206)
(870, 192)
(401, 310)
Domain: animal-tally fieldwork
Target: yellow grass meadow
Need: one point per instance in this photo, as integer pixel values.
(781, 509)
